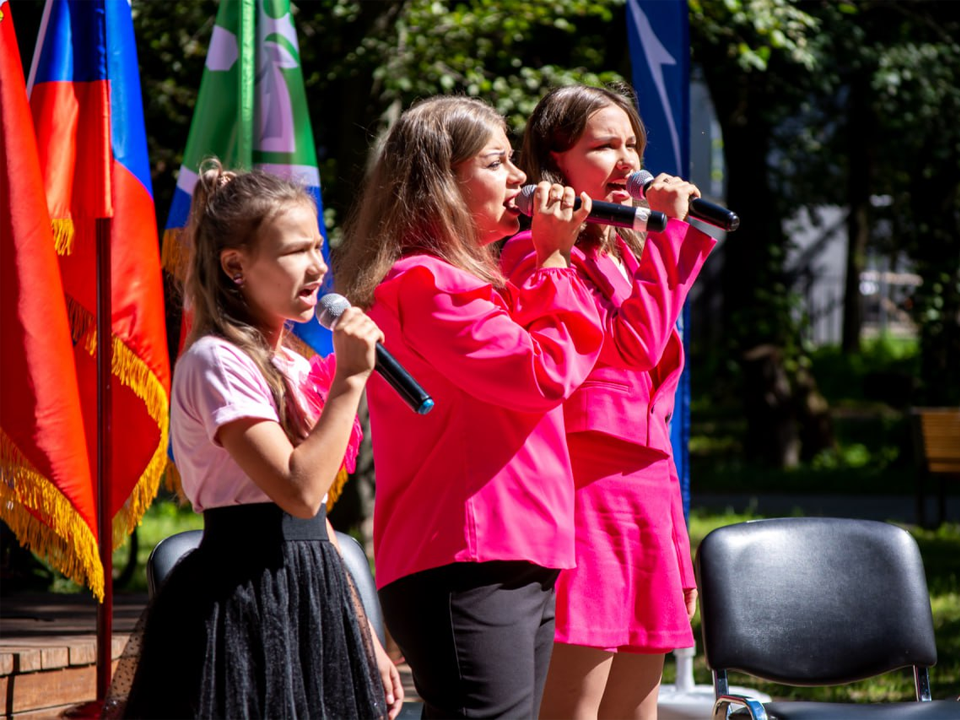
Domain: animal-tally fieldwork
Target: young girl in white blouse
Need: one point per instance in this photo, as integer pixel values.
(261, 620)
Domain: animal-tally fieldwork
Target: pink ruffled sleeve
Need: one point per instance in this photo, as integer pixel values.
(526, 348)
(640, 325)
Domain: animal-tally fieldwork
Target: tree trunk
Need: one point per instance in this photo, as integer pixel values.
(859, 176)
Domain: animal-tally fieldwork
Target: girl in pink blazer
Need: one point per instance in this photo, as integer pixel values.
(631, 596)
(474, 507)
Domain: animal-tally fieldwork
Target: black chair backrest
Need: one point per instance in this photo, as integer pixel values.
(168, 552)
(813, 601)
(358, 566)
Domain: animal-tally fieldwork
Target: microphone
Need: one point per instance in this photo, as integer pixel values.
(329, 309)
(604, 213)
(709, 212)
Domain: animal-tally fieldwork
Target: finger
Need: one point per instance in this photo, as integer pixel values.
(398, 693)
(586, 205)
(397, 703)
(386, 677)
(555, 194)
(568, 198)
(541, 195)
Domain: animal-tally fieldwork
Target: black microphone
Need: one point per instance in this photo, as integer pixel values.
(701, 209)
(605, 213)
(329, 309)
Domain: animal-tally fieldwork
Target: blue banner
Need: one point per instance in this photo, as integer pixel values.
(658, 33)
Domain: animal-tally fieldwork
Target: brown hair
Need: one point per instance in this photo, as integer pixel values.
(412, 201)
(555, 126)
(227, 211)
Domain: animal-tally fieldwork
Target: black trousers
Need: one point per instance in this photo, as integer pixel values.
(477, 636)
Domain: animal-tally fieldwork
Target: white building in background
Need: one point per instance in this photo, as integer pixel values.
(815, 262)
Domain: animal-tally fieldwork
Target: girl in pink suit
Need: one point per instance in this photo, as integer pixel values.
(474, 507)
(631, 596)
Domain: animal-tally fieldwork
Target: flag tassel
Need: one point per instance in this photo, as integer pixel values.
(26, 494)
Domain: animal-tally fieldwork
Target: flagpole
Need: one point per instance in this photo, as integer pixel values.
(104, 454)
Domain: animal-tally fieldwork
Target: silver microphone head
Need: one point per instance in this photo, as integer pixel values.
(525, 199)
(635, 183)
(329, 309)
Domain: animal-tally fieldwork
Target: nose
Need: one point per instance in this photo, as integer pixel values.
(517, 176)
(628, 158)
(318, 265)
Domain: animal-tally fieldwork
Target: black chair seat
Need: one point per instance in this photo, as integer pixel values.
(936, 710)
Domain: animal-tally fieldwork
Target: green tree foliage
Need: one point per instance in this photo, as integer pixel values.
(370, 60)
(916, 86)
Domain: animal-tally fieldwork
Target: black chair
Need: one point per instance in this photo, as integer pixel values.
(168, 552)
(816, 602)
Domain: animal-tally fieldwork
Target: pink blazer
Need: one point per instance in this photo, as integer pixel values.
(630, 392)
(486, 474)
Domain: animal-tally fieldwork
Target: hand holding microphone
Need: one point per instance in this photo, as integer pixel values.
(708, 212)
(329, 309)
(604, 213)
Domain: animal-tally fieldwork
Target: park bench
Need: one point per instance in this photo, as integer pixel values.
(936, 441)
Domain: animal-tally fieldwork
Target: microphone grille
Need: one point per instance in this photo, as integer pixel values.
(636, 182)
(525, 199)
(329, 309)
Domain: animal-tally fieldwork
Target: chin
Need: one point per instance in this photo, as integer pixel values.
(304, 315)
(511, 226)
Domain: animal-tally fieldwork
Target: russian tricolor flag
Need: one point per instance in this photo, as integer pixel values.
(87, 110)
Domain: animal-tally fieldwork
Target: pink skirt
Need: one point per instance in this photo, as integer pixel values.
(633, 551)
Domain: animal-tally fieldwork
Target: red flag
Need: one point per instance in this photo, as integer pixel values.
(46, 487)
(85, 98)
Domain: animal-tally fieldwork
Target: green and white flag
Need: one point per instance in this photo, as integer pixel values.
(251, 112)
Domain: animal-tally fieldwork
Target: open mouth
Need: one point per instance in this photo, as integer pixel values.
(309, 293)
(617, 190)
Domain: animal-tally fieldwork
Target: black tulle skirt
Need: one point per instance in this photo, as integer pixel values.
(260, 621)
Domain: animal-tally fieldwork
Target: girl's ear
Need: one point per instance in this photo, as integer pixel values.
(232, 263)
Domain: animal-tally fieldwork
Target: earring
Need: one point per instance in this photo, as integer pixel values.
(238, 278)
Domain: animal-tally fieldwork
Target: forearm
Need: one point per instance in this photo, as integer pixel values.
(314, 463)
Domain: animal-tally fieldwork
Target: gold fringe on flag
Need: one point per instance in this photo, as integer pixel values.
(72, 548)
(174, 483)
(127, 367)
(337, 488)
(63, 235)
(174, 255)
(298, 346)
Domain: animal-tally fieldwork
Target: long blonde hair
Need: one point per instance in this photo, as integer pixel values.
(412, 201)
(557, 124)
(227, 211)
